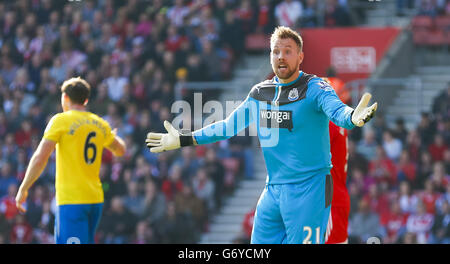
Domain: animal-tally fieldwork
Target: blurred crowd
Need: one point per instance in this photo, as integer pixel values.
(425, 7)
(399, 179)
(133, 53)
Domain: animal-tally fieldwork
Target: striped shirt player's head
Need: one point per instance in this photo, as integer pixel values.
(77, 91)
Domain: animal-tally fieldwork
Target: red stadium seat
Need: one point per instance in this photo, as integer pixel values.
(420, 37)
(430, 37)
(429, 31)
(443, 22)
(256, 42)
(422, 22)
(436, 37)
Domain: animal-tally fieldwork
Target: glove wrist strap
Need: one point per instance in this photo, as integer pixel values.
(186, 140)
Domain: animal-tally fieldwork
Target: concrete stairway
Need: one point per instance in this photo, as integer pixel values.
(411, 100)
(227, 225)
(384, 13)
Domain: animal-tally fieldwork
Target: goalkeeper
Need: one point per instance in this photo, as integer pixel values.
(291, 112)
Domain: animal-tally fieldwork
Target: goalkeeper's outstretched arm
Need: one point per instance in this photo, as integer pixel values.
(238, 120)
(338, 112)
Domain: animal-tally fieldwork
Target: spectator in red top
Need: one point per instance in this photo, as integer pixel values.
(173, 184)
(429, 197)
(120, 23)
(439, 178)
(420, 224)
(438, 148)
(24, 134)
(264, 17)
(21, 232)
(394, 223)
(174, 39)
(413, 145)
(8, 203)
(245, 14)
(406, 169)
(382, 168)
(377, 201)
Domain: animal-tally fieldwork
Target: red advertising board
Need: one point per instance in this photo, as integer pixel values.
(354, 52)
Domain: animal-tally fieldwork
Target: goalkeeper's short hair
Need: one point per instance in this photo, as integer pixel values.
(282, 32)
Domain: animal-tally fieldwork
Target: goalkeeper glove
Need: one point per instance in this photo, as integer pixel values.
(362, 114)
(159, 142)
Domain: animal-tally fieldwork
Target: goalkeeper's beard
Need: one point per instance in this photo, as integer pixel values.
(286, 74)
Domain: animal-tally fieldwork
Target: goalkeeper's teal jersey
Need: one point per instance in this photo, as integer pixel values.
(292, 124)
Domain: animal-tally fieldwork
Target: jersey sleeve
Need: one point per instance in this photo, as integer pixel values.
(54, 129)
(238, 120)
(110, 135)
(328, 102)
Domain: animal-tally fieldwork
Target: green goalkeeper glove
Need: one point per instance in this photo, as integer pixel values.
(362, 114)
(159, 142)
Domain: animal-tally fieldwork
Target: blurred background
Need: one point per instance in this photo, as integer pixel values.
(141, 55)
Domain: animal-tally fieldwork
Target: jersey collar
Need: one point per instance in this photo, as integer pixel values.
(277, 81)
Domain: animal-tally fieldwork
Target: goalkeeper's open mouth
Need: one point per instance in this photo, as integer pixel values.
(282, 68)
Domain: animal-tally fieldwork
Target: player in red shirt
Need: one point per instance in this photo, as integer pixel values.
(340, 205)
(394, 223)
(247, 224)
